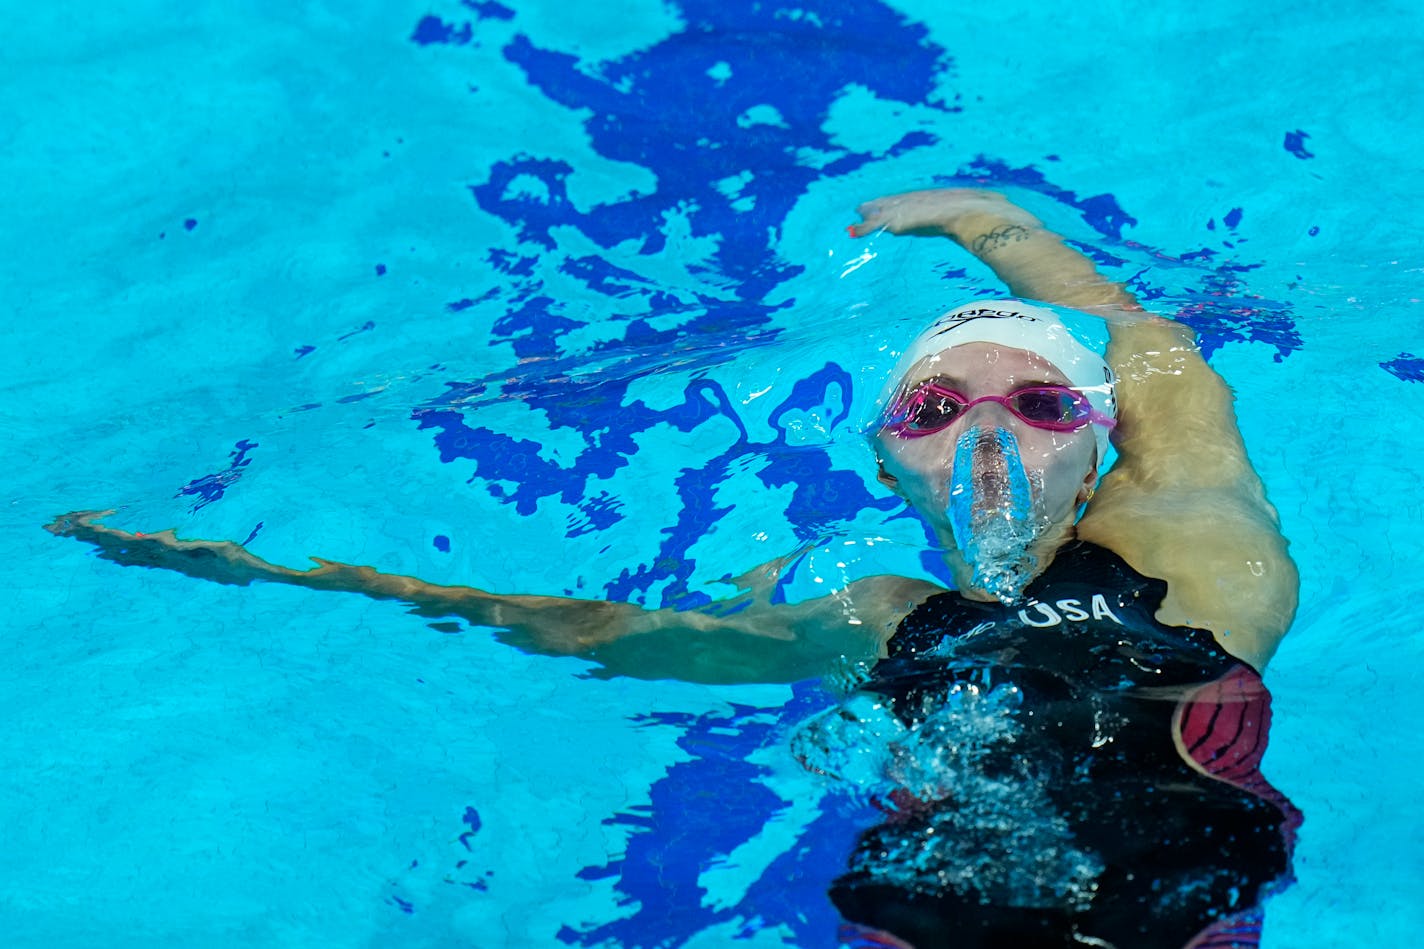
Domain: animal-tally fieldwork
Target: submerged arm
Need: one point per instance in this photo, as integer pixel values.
(745, 639)
(1183, 503)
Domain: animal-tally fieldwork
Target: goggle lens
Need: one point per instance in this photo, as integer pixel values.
(1050, 406)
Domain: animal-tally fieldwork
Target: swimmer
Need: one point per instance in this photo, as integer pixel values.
(1100, 655)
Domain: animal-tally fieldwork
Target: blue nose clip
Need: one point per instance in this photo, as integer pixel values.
(991, 511)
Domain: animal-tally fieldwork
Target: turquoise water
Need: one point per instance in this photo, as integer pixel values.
(562, 302)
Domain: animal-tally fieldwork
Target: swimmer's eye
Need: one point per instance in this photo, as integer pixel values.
(933, 411)
(926, 409)
(1053, 405)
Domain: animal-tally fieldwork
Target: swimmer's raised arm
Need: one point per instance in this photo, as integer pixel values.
(1183, 502)
(742, 639)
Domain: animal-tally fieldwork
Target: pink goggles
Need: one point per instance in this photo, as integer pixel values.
(930, 408)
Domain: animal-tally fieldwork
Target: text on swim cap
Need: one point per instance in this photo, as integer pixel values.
(982, 313)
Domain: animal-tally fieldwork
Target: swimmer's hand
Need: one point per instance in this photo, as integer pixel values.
(940, 211)
(220, 562)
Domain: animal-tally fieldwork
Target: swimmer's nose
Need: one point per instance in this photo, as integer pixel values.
(990, 414)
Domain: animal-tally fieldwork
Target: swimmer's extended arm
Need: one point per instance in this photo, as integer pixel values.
(744, 639)
(1183, 502)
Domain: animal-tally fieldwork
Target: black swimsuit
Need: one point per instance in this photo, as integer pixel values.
(1037, 796)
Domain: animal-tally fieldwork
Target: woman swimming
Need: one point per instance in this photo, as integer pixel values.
(1067, 745)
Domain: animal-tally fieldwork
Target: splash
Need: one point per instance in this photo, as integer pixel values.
(968, 812)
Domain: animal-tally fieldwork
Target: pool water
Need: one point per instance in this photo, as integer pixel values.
(560, 301)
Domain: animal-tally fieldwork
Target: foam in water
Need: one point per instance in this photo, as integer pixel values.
(969, 813)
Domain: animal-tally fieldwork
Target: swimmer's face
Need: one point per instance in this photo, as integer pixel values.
(918, 469)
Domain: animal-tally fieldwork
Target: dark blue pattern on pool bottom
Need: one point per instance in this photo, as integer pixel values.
(683, 109)
(1406, 366)
(700, 812)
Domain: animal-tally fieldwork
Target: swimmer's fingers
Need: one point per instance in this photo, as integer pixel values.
(76, 522)
(936, 211)
(896, 213)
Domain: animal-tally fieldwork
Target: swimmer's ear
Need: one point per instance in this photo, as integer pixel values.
(1090, 485)
(886, 478)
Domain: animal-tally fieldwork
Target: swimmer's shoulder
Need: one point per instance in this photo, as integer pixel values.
(1240, 586)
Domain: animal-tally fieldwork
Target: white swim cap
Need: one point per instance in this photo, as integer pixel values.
(1015, 325)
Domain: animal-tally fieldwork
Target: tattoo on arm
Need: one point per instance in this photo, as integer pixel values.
(998, 237)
